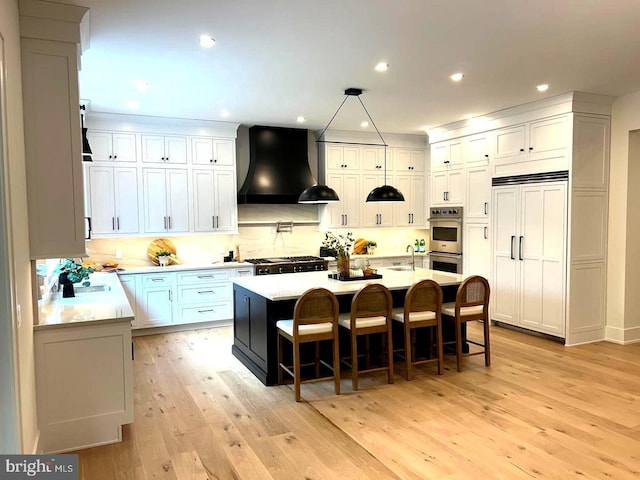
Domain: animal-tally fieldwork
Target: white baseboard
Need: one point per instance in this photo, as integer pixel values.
(623, 336)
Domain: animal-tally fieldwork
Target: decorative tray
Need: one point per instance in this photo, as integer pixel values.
(335, 276)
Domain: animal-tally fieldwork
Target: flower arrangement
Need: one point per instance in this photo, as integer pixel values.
(341, 244)
(75, 272)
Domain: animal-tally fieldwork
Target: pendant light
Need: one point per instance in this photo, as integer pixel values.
(86, 148)
(384, 193)
(318, 194)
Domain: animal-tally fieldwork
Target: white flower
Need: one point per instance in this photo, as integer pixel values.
(341, 244)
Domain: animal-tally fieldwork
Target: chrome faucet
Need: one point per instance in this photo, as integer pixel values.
(413, 257)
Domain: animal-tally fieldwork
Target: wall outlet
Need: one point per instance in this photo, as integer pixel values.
(118, 253)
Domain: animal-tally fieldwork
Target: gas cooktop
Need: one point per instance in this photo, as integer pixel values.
(270, 265)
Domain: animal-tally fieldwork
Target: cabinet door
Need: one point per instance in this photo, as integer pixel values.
(439, 187)
(351, 157)
(548, 138)
(177, 201)
(403, 209)
(335, 157)
(102, 197)
(505, 271)
(352, 200)
(478, 192)
(541, 251)
(510, 142)
(439, 155)
(101, 146)
(375, 214)
(125, 189)
(418, 160)
(226, 201)
(204, 203)
(476, 148)
(477, 250)
(417, 201)
(154, 200)
(124, 147)
(129, 285)
(202, 151)
(334, 212)
(157, 306)
(224, 153)
(153, 148)
(373, 159)
(175, 149)
(455, 192)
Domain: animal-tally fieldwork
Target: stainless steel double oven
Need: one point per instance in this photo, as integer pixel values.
(445, 239)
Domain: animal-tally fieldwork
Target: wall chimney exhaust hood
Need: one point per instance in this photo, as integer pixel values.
(278, 166)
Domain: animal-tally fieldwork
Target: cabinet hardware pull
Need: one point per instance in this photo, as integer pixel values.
(170, 296)
(513, 237)
(115, 156)
(113, 223)
(118, 222)
(346, 219)
(205, 276)
(206, 311)
(486, 208)
(530, 148)
(157, 279)
(522, 149)
(486, 233)
(169, 222)
(203, 292)
(520, 248)
(165, 223)
(486, 155)
(215, 160)
(110, 156)
(213, 221)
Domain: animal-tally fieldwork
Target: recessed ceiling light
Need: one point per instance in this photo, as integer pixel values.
(224, 113)
(364, 124)
(142, 85)
(301, 119)
(543, 87)
(456, 77)
(207, 41)
(133, 104)
(382, 67)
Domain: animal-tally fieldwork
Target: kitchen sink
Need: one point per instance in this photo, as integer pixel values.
(400, 268)
(91, 288)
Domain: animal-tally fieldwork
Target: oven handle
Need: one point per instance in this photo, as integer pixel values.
(444, 220)
(453, 256)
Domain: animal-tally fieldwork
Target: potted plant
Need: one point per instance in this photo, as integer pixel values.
(163, 257)
(71, 272)
(371, 247)
(341, 244)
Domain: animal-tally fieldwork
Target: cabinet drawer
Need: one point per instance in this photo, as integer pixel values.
(157, 279)
(205, 313)
(205, 276)
(196, 294)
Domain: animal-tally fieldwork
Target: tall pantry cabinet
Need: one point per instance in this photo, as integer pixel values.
(548, 165)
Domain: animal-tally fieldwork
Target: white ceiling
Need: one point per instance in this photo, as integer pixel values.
(277, 59)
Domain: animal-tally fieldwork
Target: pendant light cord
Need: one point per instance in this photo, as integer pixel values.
(334, 116)
(381, 139)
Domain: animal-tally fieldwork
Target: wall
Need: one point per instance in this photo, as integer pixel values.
(18, 229)
(623, 272)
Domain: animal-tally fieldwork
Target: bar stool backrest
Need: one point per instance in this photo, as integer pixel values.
(316, 305)
(372, 300)
(473, 291)
(423, 296)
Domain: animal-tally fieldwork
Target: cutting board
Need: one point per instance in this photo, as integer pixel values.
(162, 244)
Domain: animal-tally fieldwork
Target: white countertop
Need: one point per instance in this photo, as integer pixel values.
(129, 270)
(293, 285)
(86, 308)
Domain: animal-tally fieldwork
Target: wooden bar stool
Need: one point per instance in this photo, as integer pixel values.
(422, 309)
(315, 318)
(370, 313)
(472, 303)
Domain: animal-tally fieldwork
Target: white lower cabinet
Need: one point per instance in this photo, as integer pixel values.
(477, 250)
(166, 201)
(529, 256)
(181, 297)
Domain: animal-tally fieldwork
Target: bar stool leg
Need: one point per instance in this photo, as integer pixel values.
(440, 348)
(389, 342)
(408, 352)
(336, 365)
(280, 359)
(487, 350)
(296, 370)
(354, 361)
(458, 344)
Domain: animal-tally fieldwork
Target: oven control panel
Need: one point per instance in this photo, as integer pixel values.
(446, 212)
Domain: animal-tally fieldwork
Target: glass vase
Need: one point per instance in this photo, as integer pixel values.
(344, 264)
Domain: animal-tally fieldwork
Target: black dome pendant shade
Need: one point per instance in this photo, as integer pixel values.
(385, 193)
(318, 194)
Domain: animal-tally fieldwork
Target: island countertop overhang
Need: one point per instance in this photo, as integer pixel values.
(292, 286)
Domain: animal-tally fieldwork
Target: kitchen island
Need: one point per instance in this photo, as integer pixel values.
(260, 301)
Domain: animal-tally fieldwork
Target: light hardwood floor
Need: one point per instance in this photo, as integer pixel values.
(541, 410)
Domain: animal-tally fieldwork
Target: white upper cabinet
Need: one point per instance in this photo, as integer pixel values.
(343, 158)
(112, 147)
(477, 148)
(212, 151)
(534, 147)
(346, 212)
(214, 200)
(478, 193)
(447, 187)
(375, 214)
(446, 154)
(409, 160)
(166, 205)
(411, 212)
(164, 149)
(113, 200)
(373, 159)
